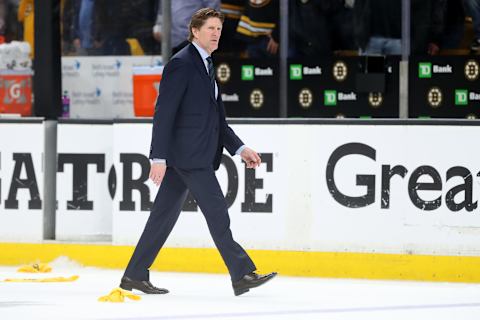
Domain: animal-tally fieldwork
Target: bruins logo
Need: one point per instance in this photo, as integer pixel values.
(340, 71)
(256, 98)
(375, 99)
(435, 97)
(305, 98)
(223, 73)
(472, 70)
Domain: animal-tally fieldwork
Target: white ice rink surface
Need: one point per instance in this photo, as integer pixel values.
(206, 296)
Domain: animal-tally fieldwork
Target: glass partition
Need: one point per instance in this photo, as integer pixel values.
(444, 62)
(109, 27)
(111, 55)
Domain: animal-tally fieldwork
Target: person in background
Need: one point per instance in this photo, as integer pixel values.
(453, 25)
(230, 44)
(26, 16)
(70, 9)
(77, 21)
(123, 27)
(13, 28)
(320, 27)
(378, 26)
(181, 12)
(472, 8)
(140, 19)
(427, 24)
(110, 27)
(3, 20)
(188, 136)
(258, 27)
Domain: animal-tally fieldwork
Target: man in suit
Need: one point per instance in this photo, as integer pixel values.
(189, 133)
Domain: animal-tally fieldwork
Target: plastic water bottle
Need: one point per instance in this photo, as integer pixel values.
(65, 105)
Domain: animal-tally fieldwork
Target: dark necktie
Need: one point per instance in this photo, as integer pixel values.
(211, 73)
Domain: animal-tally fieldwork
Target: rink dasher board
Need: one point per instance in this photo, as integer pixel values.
(381, 214)
(293, 206)
(84, 160)
(22, 146)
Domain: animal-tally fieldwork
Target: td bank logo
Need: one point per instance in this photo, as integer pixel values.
(296, 72)
(461, 97)
(424, 70)
(330, 98)
(247, 72)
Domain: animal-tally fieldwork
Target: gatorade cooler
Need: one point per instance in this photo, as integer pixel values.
(145, 89)
(16, 92)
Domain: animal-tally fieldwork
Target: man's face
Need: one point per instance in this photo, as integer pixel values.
(208, 35)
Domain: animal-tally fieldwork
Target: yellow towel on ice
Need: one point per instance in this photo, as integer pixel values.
(35, 268)
(55, 279)
(118, 295)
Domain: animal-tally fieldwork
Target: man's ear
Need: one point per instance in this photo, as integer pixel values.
(195, 32)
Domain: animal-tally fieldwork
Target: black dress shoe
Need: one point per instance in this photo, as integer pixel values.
(145, 286)
(249, 281)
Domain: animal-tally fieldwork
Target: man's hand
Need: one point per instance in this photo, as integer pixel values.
(433, 49)
(77, 44)
(157, 32)
(157, 172)
(272, 46)
(157, 35)
(251, 158)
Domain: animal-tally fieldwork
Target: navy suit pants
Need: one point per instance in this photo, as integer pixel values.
(168, 203)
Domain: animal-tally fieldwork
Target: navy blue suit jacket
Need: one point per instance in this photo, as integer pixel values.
(189, 126)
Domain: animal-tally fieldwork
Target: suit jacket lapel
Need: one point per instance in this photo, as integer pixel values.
(197, 61)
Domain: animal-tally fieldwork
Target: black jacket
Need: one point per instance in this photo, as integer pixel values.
(189, 126)
(377, 18)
